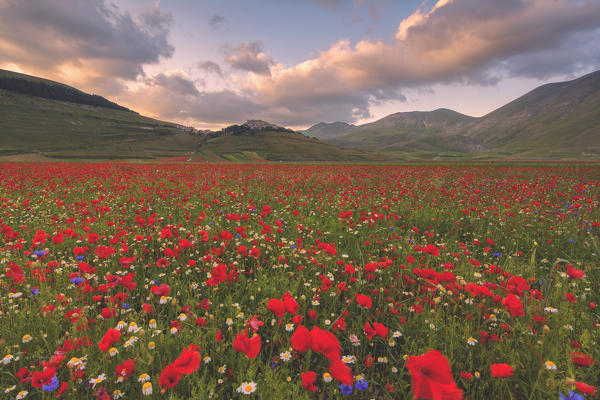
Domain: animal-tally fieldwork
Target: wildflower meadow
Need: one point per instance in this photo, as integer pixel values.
(222, 281)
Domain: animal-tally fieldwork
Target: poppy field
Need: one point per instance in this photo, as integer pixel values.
(213, 281)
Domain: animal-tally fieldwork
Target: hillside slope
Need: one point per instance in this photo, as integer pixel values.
(239, 143)
(68, 129)
(324, 130)
(416, 131)
(553, 120)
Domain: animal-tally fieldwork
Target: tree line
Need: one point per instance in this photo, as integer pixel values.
(56, 92)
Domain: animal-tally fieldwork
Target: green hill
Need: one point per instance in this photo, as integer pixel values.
(31, 122)
(324, 130)
(552, 121)
(239, 143)
(55, 120)
(412, 134)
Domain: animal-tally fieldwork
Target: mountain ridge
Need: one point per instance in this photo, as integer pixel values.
(56, 121)
(559, 119)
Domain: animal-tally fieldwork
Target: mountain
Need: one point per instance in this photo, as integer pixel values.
(55, 120)
(409, 131)
(25, 84)
(557, 120)
(260, 140)
(325, 130)
(554, 120)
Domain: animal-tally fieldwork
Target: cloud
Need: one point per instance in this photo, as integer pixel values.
(217, 21)
(210, 67)
(331, 4)
(91, 44)
(217, 107)
(175, 82)
(469, 41)
(249, 57)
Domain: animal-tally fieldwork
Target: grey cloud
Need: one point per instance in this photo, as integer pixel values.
(90, 35)
(332, 4)
(217, 21)
(472, 42)
(248, 57)
(175, 83)
(219, 107)
(210, 67)
(569, 58)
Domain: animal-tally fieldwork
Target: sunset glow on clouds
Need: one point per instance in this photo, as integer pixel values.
(298, 63)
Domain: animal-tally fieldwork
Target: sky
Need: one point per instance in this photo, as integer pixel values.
(213, 63)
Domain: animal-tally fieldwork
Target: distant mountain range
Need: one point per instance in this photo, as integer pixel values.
(557, 120)
(50, 119)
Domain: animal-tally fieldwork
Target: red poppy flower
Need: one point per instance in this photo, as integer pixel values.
(585, 388)
(188, 361)
(369, 331)
(513, 305)
(575, 273)
(431, 377)
(86, 268)
(147, 308)
(63, 387)
(431, 249)
(277, 307)
(41, 378)
(125, 369)
(108, 313)
(249, 346)
(111, 336)
(501, 370)
(363, 300)
(381, 330)
(169, 377)
(291, 306)
(308, 381)
(583, 360)
(341, 372)
(300, 339)
(162, 290)
(517, 285)
(325, 342)
(255, 323)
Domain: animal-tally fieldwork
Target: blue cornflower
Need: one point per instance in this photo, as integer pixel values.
(125, 306)
(35, 291)
(76, 280)
(40, 253)
(362, 385)
(572, 396)
(346, 389)
(53, 385)
(79, 257)
(496, 254)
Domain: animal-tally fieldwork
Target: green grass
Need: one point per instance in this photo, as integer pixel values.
(275, 146)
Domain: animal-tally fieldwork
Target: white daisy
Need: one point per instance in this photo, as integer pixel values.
(285, 356)
(247, 388)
